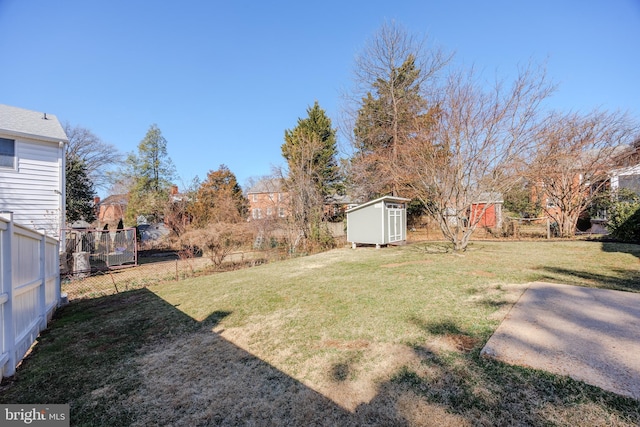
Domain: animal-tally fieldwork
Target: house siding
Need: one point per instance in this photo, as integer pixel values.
(32, 189)
(628, 178)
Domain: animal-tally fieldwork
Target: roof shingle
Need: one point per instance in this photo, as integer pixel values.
(20, 122)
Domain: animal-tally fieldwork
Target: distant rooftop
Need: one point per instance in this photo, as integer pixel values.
(19, 122)
(266, 186)
(115, 199)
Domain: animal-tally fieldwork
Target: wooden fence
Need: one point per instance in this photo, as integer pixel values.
(29, 289)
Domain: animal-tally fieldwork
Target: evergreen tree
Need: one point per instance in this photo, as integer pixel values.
(387, 118)
(392, 101)
(310, 151)
(149, 174)
(79, 191)
(323, 165)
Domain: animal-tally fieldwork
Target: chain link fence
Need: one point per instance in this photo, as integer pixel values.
(165, 268)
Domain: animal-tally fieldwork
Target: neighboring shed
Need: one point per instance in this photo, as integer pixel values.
(32, 180)
(487, 210)
(381, 221)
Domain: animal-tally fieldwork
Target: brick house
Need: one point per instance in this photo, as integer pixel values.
(112, 209)
(267, 199)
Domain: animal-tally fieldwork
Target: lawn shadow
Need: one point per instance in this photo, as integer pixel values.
(623, 280)
(439, 327)
(134, 359)
(628, 248)
(484, 391)
(489, 392)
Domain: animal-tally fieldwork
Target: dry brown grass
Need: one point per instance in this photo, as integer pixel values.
(345, 338)
(217, 380)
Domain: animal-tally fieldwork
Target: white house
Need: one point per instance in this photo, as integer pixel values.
(32, 168)
(627, 178)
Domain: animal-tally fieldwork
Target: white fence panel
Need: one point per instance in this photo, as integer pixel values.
(29, 289)
(52, 275)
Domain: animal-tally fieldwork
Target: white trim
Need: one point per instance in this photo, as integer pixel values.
(381, 199)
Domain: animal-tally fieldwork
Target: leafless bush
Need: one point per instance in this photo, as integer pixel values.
(216, 240)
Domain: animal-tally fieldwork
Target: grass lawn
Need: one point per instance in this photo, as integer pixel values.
(347, 337)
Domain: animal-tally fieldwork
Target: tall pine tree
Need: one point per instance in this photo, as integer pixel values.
(391, 103)
(323, 164)
(387, 118)
(150, 173)
(312, 171)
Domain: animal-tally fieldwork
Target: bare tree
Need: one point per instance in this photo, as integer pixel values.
(97, 155)
(393, 76)
(575, 153)
(178, 212)
(473, 148)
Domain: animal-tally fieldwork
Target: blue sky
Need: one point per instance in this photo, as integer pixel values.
(224, 79)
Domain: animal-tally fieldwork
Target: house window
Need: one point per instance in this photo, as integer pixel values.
(551, 203)
(255, 197)
(395, 206)
(279, 197)
(269, 211)
(256, 213)
(281, 212)
(7, 153)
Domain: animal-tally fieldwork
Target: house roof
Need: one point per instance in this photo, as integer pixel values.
(266, 186)
(629, 170)
(18, 122)
(115, 199)
(338, 199)
(391, 199)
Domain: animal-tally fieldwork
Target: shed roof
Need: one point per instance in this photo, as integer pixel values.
(34, 124)
(391, 199)
(489, 197)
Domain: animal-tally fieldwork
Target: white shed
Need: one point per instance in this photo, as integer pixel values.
(32, 169)
(378, 222)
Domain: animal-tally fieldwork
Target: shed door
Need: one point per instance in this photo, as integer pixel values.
(395, 222)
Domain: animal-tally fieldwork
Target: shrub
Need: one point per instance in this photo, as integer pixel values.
(624, 219)
(216, 240)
